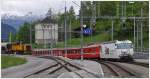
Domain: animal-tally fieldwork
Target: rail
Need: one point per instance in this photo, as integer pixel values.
(119, 70)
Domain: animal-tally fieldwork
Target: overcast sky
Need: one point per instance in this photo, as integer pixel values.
(37, 7)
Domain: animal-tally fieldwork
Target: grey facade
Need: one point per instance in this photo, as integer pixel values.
(46, 33)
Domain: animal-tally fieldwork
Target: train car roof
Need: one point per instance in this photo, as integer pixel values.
(116, 41)
(67, 48)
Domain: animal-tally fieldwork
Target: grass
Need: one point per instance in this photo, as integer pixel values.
(9, 61)
(75, 42)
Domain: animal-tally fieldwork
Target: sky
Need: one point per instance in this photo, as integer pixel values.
(37, 7)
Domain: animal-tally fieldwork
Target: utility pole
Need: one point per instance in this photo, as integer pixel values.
(117, 11)
(99, 5)
(91, 26)
(44, 30)
(137, 35)
(132, 9)
(30, 30)
(70, 29)
(112, 31)
(30, 35)
(43, 34)
(81, 32)
(98, 8)
(141, 30)
(134, 34)
(122, 9)
(65, 33)
(131, 2)
(93, 19)
(81, 28)
(51, 37)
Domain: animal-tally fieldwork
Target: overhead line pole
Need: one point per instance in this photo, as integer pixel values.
(137, 36)
(134, 24)
(65, 33)
(91, 21)
(94, 18)
(30, 35)
(81, 32)
(141, 30)
(51, 37)
(31, 30)
(112, 34)
(81, 28)
(134, 35)
(125, 8)
(70, 31)
(122, 8)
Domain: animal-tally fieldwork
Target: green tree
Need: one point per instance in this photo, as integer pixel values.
(71, 13)
(86, 8)
(23, 34)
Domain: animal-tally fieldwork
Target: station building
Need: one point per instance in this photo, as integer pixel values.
(46, 31)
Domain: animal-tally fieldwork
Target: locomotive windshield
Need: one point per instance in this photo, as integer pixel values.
(124, 46)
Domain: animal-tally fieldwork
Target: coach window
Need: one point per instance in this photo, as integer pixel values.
(47, 26)
(68, 52)
(75, 51)
(94, 50)
(124, 46)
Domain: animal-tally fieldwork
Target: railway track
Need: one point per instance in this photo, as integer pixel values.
(61, 66)
(118, 70)
(74, 66)
(56, 69)
(140, 64)
(64, 64)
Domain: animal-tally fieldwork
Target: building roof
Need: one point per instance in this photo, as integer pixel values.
(48, 20)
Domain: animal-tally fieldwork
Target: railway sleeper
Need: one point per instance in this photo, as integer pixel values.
(40, 71)
(112, 69)
(58, 68)
(127, 69)
(140, 63)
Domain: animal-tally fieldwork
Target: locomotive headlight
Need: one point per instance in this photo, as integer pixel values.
(123, 53)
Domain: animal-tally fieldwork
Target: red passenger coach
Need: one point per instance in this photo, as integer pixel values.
(88, 52)
(73, 53)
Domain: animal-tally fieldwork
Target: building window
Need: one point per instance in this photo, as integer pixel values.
(44, 26)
